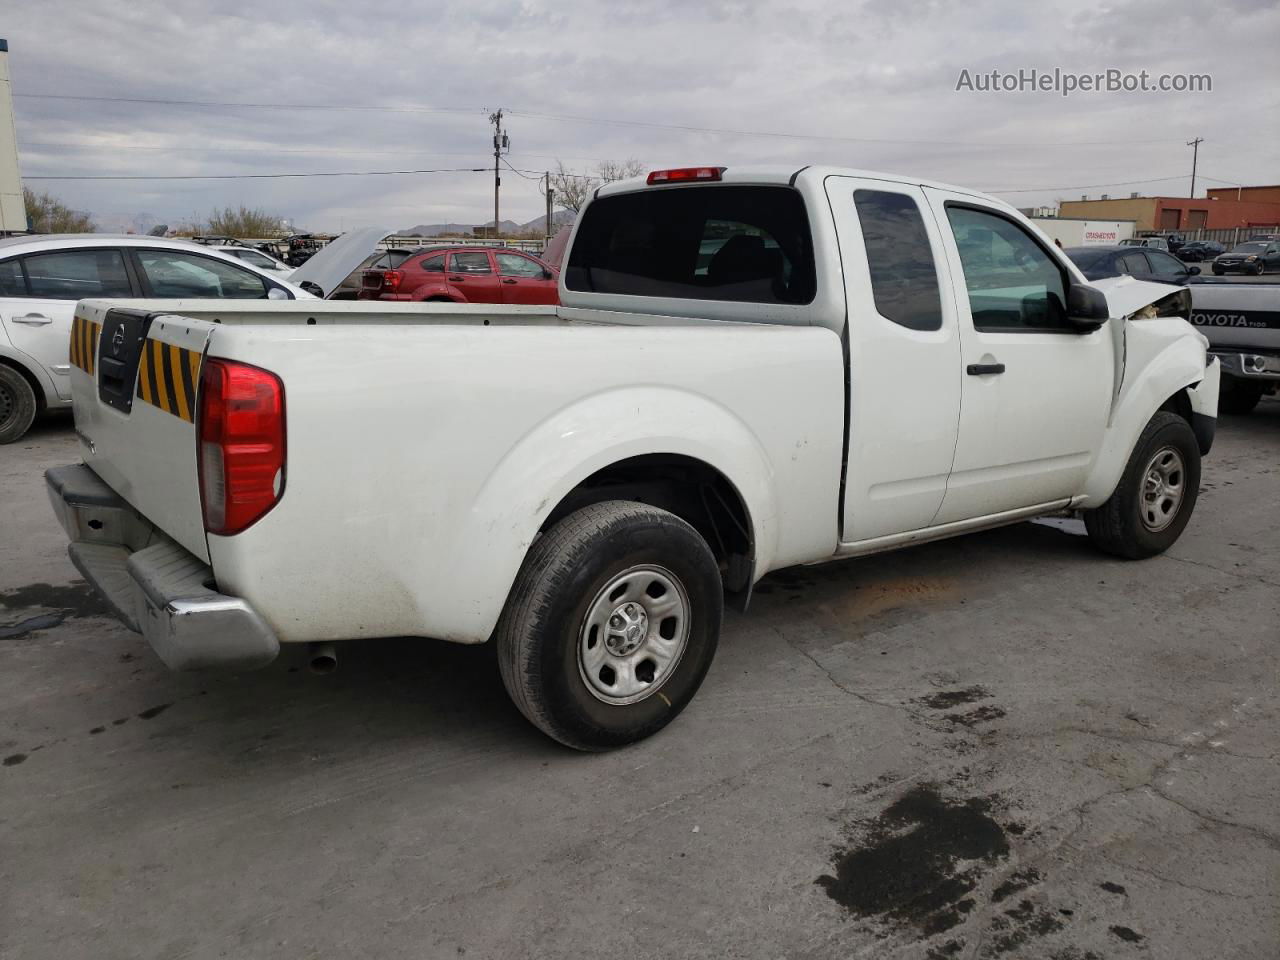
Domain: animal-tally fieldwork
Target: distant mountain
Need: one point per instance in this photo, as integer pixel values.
(509, 227)
(124, 223)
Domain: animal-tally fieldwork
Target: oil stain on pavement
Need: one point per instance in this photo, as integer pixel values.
(67, 601)
(919, 861)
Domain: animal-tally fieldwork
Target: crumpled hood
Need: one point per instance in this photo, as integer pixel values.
(1127, 295)
(335, 261)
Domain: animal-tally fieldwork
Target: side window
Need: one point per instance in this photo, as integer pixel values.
(514, 265)
(12, 283)
(904, 279)
(1135, 263)
(172, 273)
(433, 264)
(1013, 283)
(469, 263)
(1165, 266)
(75, 274)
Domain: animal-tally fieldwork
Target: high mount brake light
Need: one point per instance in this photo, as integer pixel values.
(241, 444)
(686, 175)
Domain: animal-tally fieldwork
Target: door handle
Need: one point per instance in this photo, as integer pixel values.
(507, 280)
(983, 369)
(33, 319)
(456, 279)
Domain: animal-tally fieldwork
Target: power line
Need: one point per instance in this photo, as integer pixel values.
(610, 121)
(265, 176)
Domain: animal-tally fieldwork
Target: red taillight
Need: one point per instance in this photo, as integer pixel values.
(685, 174)
(241, 436)
(391, 279)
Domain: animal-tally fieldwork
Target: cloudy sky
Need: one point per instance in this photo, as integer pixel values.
(668, 82)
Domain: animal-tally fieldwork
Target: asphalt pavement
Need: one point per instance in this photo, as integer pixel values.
(1005, 745)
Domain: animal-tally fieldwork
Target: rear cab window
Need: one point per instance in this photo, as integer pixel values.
(748, 244)
(904, 278)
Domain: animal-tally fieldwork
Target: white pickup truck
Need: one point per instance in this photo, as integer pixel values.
(751, 368)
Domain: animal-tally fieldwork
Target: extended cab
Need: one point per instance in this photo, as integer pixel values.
(750, 369)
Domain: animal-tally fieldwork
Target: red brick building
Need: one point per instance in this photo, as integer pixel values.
(1220, 212)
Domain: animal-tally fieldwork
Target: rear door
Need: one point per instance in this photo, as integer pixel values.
(524, 280)
(904, 357)
(39, 323)
(1036, 390)
(136, 378)
(471, 274)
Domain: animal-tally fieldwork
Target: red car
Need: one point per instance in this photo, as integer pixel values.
(465, 275)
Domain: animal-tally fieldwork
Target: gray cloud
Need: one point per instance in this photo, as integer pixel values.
(874, 70)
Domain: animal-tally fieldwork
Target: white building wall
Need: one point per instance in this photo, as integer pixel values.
(1085, 233)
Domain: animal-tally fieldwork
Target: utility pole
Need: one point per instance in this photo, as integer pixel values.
(550, 193)
(501, 145)
(1195, 155)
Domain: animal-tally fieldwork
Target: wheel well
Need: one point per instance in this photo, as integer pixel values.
(30, 377)
(1180, 404)
(695, 491)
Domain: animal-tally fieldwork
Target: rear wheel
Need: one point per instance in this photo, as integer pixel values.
(611, 625)
(1156, 495)
(18, 404)
(1238, 398)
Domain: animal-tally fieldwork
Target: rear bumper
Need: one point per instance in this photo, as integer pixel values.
(1261, 365)
(154, 585)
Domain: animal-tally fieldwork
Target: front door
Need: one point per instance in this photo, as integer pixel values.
(904, 357)
(524, 280)
(1037, 391)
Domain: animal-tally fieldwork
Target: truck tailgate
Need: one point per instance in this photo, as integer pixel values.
(135, 375)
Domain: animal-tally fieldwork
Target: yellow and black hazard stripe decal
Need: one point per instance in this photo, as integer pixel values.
(84, 343)
(167, 378)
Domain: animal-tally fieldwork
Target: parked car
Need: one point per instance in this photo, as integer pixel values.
(1253, 256)
(1145, 263)
(1242, 323)
(1200, 250)
(1158, 243)
(42, 277)
(465, 275)
(301, 247)
(865, 362)
(259, 259)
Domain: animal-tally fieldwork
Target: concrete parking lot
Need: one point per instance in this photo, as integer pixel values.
(1004, 745)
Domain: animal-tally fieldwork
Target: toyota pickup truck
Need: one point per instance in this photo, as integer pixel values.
(1242, 324)
(749, 369)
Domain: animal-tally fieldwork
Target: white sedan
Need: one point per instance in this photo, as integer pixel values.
(259, 259)
(42, 278)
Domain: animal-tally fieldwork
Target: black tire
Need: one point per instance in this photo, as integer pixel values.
(1238, 398)
(542, 634)
(18, 404)
(1117, 526)
(1218, 271)
(1259, 269)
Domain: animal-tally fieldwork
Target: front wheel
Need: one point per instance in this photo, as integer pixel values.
(1156, 495)
(611, 625)
(1259, 269)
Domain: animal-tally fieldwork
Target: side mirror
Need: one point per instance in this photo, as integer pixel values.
(1193, 270)
(547, 274)
(1086, 307)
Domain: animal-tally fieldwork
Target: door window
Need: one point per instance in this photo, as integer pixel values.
(1135, 263)
(514, 265)
(469, 263)
(1014, 285)
(12, 283)
(1165, 266)
(904, 279)
(171, 273)
(76, 274)
(433, 264)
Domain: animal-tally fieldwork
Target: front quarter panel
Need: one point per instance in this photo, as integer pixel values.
(1161, 357)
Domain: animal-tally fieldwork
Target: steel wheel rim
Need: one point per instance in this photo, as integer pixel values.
(1163, 489)
(634, 634)
(8, 404)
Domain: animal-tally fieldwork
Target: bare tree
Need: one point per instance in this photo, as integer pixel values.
(572, 190)
(244, 222)
(50, 215)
